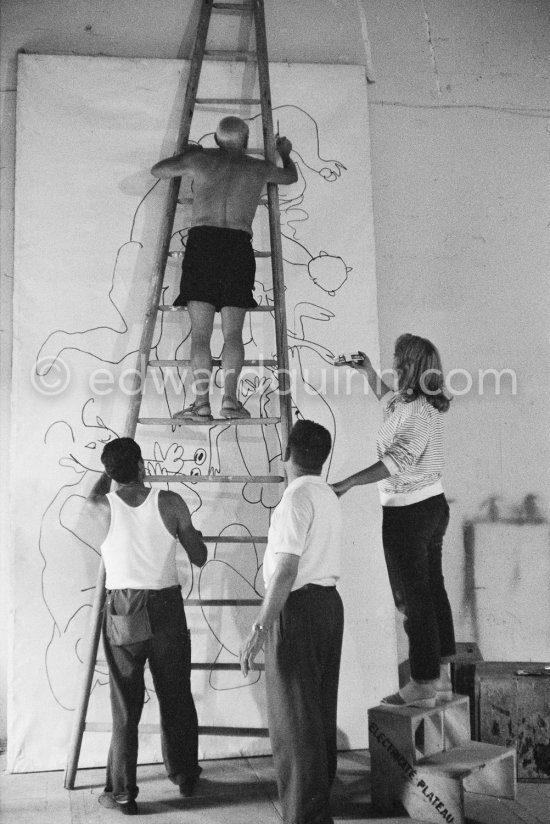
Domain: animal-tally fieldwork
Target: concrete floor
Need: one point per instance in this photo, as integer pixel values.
(234, 791)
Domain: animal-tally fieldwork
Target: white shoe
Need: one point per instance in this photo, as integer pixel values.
(413, 694)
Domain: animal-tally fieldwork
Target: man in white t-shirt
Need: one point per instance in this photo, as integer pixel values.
(301, 622)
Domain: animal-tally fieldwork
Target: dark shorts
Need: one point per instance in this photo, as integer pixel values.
(219, 268)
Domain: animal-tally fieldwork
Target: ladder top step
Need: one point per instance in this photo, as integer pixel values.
(184, 309)
(215, 479)
(215, 422)
(215, 362)
(465, 759)
(229, 101)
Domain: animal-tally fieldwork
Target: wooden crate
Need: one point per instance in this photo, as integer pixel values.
(424, 760)
(463, 670)
(514, 710)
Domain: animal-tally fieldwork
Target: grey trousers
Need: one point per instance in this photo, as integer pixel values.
(169, 656)
(302, 664)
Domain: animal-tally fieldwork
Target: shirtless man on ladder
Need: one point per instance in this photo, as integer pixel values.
(219, 264)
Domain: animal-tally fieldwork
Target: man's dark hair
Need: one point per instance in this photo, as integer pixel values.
(121, 459)
(309, 444)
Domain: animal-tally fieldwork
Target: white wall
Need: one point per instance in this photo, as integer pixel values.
(460, 139)
(459, 134)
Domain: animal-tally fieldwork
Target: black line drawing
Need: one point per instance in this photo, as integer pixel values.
(234, 572)
(68, 541)
(327, 271)
(219, 449)
(67, 546)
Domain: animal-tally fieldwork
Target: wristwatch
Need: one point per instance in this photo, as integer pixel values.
(259, 628)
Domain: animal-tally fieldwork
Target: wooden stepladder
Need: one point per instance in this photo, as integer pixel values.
(255, 8)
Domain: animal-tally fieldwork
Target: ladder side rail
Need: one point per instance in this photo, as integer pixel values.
(79, 723)
(165, 229)
(153, 300)
(285, 400)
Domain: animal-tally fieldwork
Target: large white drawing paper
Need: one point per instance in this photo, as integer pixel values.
(87, 217)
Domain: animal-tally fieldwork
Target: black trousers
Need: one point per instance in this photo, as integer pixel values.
(169, 656)
(302, 663)
(413, 544)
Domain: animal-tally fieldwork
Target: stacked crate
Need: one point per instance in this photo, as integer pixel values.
(425, 760)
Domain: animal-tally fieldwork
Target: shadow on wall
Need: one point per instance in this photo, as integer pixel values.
(343, 740)
(499, 568)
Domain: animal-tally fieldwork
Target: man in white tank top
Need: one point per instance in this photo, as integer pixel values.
(144, 620)
(301, 622)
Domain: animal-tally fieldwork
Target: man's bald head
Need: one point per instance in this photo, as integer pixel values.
(232, 133)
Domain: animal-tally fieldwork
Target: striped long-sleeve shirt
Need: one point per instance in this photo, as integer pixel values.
(410, 445)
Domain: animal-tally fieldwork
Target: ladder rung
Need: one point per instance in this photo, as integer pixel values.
(225, 667)
(229, 55)
(260, 732)
(216, 479)
(229, 101)
(205, 666)
(178, 255)
(240, 7)
(184, 309)
(234, 539)
(103, 726)
(241, 732)
(215, 422)
(215, 362)
(222, 602)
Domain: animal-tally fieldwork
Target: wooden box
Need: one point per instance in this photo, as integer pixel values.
(424, 760)
(463, 670)
(514, 709)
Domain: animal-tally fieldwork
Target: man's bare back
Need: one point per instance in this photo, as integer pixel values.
(227, 182)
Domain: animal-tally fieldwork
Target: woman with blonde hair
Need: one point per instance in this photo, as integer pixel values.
(415, 511)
